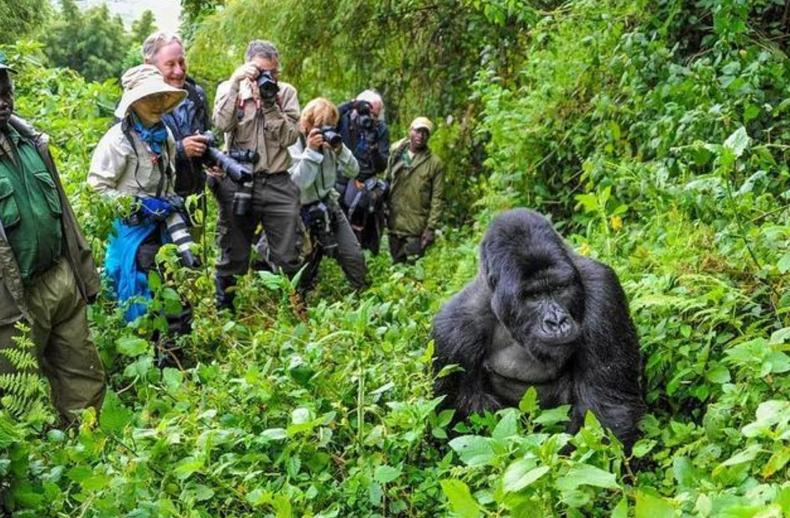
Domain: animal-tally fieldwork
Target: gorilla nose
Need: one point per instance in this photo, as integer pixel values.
(557, 323)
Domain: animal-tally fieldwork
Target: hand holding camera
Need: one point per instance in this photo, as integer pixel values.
(315, 139)
(194, 145)
(246, 71)
(332, 137)
(365, 119)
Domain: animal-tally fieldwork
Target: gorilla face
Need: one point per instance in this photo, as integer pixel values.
(536, 291)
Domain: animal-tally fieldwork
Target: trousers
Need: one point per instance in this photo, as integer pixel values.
(348, 252)
(275, 206)
(59, 331)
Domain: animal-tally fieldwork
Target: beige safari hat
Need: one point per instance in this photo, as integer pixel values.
(144, 80)
(422, 123)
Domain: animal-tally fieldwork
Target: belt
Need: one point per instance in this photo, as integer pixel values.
(266, 172)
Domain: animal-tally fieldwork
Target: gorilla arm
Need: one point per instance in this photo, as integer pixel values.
(462, 332)
(607, 369)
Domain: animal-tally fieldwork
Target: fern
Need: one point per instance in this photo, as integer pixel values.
(24, 389)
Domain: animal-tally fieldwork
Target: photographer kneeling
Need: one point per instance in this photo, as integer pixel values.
(319, 156)
(135, 158)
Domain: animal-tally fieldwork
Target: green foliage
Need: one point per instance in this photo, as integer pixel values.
(23, 388)
(94, 43)
(143, 28)
(653, 133)
(20, 18)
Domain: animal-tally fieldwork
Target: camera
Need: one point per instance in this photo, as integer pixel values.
(364, 116)
(178, 229)
(319, 221)
(267, 85)
(331, 136)
(244, 155)
(176, 223)
(231, 162)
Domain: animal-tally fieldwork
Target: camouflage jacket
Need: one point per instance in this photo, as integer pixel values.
(75, 248)
(416, 194)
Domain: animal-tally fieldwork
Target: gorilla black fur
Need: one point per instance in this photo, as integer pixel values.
(538, 314)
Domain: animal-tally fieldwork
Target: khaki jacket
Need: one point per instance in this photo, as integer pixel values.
(118, 169)
(75, 248)
(416, 196)
(269, 131)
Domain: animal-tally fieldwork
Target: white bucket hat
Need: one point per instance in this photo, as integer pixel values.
(144, 80)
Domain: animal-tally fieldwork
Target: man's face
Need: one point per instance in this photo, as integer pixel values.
(268, 65)
(172, 64)
(6, 99)
(375, 109)
(418, 138)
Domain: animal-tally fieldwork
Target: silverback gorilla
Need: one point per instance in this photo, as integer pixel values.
(538, 314)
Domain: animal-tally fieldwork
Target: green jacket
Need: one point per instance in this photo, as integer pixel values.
(416, 193)
(75, 248)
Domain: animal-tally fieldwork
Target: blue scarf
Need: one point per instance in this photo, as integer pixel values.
(154, 136)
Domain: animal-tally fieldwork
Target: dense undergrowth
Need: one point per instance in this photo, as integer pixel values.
(656, 136)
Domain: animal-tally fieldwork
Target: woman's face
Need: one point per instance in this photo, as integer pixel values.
(150, 109)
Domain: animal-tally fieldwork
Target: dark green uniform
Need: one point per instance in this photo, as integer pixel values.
(416, 198)
(29, 207)
(47, 273)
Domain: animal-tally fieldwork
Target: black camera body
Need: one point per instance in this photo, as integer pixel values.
(267, 86)
(331, 136)
(319, 222)
(365, 118)
(231, 162)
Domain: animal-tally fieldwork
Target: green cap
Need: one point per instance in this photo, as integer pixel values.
(4, 63)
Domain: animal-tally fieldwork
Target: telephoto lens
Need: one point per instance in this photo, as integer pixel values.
(230, 162)
(331, 136)
(179, 234)
(235, 171)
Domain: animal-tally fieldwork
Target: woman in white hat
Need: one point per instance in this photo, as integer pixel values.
(135, 158)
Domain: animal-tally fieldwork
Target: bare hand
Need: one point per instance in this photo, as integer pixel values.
(215, 171)
(246, 71)
(194, 145)
(315, 140)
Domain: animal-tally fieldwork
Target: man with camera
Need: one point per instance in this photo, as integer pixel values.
(319, 157)
(189, 119)
(47, 274)
(365, 133)
(416, 195)
(258, 113)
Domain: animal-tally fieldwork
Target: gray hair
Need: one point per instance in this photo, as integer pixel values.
(372, 96)
(155, 42)
(262, 48)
